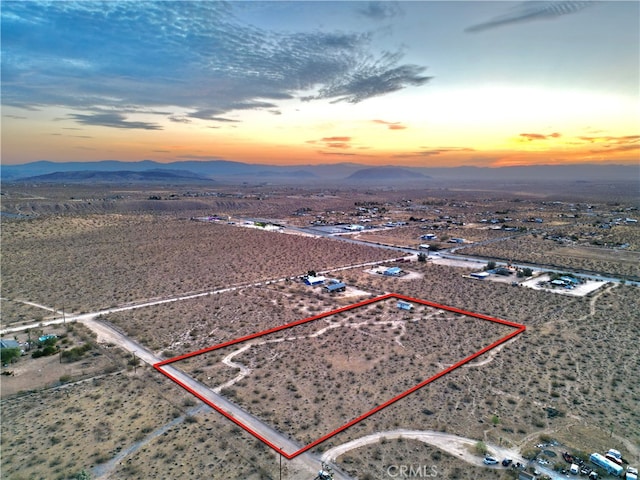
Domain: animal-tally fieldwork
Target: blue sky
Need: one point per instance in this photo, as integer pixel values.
(415, 83)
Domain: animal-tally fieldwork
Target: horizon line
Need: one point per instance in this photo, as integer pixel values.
(613, 163)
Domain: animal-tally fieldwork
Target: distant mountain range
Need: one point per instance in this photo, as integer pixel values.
(110, 171)
(119, 176)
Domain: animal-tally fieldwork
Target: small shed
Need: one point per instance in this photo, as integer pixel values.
(404, 305)
(392, 271)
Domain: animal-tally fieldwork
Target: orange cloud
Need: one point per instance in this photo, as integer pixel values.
(616, 148)
(616, 140)
(320, 152)
(336, 139)
(391, 125)
(539, 136)
(429, 152)
(332, 142)
(606, 144)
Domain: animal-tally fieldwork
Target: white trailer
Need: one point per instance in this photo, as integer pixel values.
(606, 464)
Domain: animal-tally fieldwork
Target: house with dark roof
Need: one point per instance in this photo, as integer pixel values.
(335, 287)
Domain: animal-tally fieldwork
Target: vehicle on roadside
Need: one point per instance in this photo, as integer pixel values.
(490, 461)
(506, 462)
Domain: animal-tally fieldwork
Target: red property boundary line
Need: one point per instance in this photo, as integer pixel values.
(519, 328)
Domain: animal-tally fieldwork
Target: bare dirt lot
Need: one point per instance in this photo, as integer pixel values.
(300, 378)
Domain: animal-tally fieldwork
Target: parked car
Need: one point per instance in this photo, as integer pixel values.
(490, 461)
(506, 462)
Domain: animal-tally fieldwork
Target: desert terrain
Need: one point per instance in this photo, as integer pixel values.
(191, 284)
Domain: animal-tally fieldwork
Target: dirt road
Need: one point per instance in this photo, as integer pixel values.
(108, 334)
(459, 447)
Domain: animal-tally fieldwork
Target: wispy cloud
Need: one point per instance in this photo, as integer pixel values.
(606, 144)
(616, 148)
(338, 154)
(333, 142)
(371, 78)
(391, 125)
(539, 136)
(430, 152)
(194, 57)
(532, 11)
(612, 139)
(380, 10)
(114, 120)
(177, 119)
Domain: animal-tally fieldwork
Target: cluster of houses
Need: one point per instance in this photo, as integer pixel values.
(566, 282)
(331, 285)
(7, 343)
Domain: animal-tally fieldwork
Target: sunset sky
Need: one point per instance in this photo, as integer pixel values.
(386, 83)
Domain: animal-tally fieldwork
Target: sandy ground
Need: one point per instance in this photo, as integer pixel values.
(456, 263)
(29, 374)
(579, 291)
(354, 292)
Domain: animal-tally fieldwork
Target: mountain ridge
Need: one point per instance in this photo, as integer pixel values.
(225, 170)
